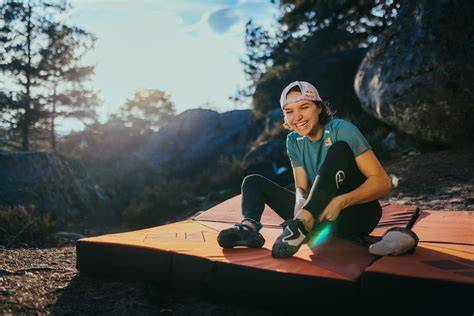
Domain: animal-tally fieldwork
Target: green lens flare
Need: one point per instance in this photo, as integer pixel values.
(321, 236)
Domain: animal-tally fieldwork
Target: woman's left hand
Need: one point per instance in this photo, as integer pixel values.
(332, 210)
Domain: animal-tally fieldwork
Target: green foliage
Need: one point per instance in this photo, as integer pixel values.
(134, 188)
(309, 35)
(153, 198)
(168, 200)
(358, 17)
(105, 150)
(267, 89)
(231, 172)
(375, 139)
(39, 61)
(66, 80)
(22, 224)
(148, 109)
(203, 183)
(262, 53)
(276, 132)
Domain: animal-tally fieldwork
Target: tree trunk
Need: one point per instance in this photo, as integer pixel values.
(53, 118)
(28, 110)
(27, 121)
(25, 133)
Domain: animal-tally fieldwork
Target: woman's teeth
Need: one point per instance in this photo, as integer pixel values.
(300, 125)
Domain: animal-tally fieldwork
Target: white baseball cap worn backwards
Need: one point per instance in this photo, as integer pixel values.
(308, 92)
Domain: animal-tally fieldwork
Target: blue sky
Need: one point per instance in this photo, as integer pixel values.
(190, 49)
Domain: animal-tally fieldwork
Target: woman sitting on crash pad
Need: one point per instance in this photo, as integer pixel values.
(337, 178)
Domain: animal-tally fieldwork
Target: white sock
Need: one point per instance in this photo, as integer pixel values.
(250, 224)
(394, 242)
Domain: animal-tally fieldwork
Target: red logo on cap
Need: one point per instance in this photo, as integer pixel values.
(309, 94)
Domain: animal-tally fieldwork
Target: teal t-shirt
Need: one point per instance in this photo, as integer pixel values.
(310, 155)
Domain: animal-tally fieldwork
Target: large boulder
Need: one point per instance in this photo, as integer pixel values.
(51, 183)
(419, 76)
(196, 139)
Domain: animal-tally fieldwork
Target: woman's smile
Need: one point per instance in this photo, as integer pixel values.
(302, 125)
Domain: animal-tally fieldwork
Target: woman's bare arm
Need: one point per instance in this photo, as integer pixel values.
(301, 178)
(376, 186)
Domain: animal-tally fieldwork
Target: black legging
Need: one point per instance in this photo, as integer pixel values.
(338, 174)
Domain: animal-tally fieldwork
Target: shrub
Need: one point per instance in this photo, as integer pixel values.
(170, 200)
(21, 224)
(276, 132)
(375, 139)
(231, 172)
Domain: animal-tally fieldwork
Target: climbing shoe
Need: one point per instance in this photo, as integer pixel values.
(240, 235)
(289, 242)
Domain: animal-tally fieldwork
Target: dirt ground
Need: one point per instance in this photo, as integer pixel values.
(435, 180)
(45, 281)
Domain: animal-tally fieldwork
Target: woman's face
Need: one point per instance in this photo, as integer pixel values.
(303, 116)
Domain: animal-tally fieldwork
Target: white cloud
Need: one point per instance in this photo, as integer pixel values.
(221, 20)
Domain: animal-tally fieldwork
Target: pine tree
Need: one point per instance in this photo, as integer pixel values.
(27, 35)
(308, 29)
(148, 109)
(69, 96)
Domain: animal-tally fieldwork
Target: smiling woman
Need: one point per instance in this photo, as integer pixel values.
(332, 161)
(321, 114)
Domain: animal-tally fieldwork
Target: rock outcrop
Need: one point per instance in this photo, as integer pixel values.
(419, 76)
(52, 183)
(196, 139)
